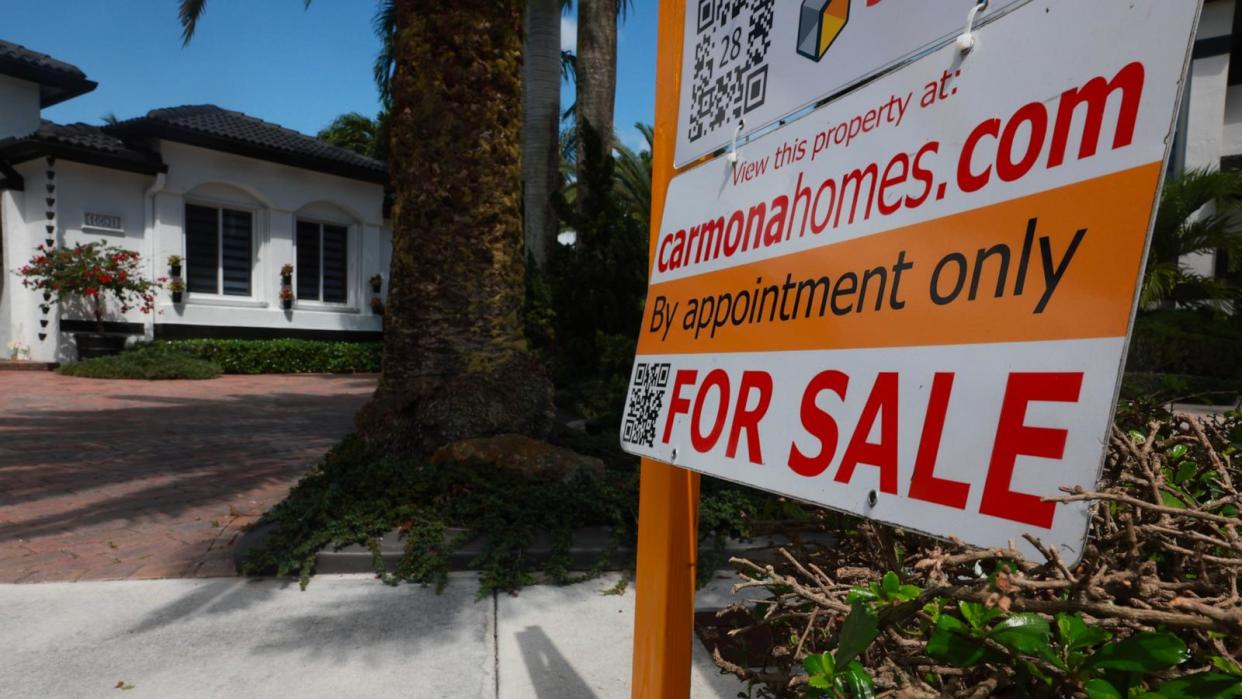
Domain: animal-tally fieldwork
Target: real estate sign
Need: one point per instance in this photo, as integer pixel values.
(760, 60)
(913, 303)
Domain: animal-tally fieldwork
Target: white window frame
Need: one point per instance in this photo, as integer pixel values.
(219, 298)
(351, 256)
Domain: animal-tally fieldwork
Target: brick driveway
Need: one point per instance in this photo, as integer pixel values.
(153, 479)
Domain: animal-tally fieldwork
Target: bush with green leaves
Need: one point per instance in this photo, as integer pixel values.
(143, 362)
(1151, 610)
(283, 356)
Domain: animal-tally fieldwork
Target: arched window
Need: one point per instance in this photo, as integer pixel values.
(324, 254)
(220, 241)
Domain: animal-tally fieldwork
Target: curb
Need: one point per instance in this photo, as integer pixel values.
(588, 547)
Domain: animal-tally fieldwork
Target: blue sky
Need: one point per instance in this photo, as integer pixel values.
(270, 59)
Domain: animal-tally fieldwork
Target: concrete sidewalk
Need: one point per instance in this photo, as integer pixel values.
(345, 635)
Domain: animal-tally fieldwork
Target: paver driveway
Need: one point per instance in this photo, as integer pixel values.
(152, 479)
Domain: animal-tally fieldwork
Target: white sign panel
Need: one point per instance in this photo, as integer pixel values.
(921, 320)
(761, 60)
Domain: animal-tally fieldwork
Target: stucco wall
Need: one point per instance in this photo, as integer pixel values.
(277, 195)
(19, 107)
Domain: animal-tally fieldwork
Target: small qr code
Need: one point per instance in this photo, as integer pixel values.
(730, 62)
(646, 400)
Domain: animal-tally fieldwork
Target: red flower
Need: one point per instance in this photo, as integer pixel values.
(90, 291)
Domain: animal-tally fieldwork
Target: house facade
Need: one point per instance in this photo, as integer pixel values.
(235, 197)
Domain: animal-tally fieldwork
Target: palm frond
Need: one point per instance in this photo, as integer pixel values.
(189, 12)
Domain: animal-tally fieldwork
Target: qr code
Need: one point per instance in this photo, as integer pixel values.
(730, 62)
(646, 400)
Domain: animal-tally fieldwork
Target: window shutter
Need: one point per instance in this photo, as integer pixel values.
(236, 248)
(202, 261)
(308, 260)
(335, 269)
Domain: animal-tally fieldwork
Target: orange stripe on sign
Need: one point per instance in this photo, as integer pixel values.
(1056, 265)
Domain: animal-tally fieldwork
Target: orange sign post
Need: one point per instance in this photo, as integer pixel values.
(668, 496)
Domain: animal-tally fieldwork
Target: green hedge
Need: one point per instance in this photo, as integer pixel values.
(1185, 342)
(286, 356)
(1180, 388)
(144, 362)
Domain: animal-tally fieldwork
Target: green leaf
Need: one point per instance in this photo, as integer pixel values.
(1177, 451)
(861, 594)
(1206, 684)
(1185, 471)
(859, 630)
(1025, 633)
(855, 682)
(1142, 652)
(975, 614)
(819, 681)
(1226, 665)
(821, 664)
(1100, 689)
(1171, 500)
(1138, 437)
(890, 584)
(1076, 635)
(951, 642)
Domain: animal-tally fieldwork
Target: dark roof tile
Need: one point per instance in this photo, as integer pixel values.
(81, 143)
(58, 80)
(210, 126)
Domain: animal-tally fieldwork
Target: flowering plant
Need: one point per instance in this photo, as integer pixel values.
(174, 260)
(176, 286)
(286, 294)
(286, 270)
(91, 272)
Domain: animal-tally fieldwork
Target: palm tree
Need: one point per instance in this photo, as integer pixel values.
(1198, 213)
(455, 359)
(541, 114)
(633, 177)
(596, 72)
(358, 133)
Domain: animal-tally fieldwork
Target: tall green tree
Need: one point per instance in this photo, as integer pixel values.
(455, 358)
(359, 133)
(541, 115)
(1198, 213)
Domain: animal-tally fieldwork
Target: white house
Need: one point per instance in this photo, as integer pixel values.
(1209, 129)
(235, 196)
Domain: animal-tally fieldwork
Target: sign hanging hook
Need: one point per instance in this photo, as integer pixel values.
(733, 147)
(966, 41)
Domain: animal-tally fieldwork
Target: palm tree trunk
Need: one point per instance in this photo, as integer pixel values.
(597, 72)
(541, 115)
(455, 360)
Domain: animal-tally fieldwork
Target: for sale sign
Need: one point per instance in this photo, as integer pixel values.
(913, 303)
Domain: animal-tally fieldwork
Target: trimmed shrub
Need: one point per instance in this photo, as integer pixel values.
(1180, 388)
(145, 362)
(1185, 342)
(283, 356)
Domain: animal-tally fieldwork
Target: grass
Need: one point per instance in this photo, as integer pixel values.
(145, 363)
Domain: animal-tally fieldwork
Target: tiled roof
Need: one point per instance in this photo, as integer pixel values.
(81, 142)
(210, 126)
(58, 80)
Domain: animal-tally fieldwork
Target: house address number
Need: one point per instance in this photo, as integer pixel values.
(105, 221)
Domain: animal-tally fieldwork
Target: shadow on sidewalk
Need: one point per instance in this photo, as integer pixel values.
(550, 673)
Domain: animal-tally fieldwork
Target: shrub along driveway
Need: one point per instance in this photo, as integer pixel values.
(153, 479)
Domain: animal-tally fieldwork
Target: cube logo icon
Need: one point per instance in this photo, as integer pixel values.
(819, 24)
